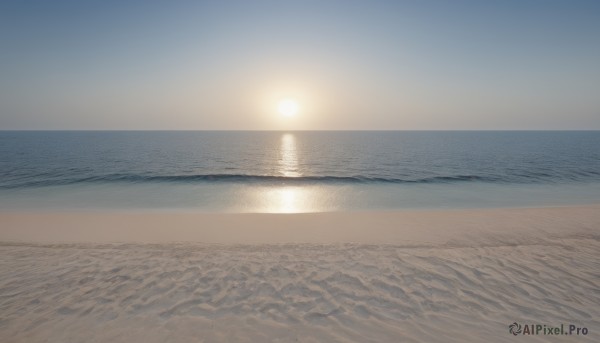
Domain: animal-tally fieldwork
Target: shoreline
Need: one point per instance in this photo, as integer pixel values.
(398, 227)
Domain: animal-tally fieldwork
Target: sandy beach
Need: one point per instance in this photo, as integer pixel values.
(435, 276)
(299, 171)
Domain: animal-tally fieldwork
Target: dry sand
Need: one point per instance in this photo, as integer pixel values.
(416, 276)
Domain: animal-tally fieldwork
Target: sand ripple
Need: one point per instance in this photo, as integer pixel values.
(295, 293)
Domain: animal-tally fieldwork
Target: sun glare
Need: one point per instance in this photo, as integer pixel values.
(287, 107)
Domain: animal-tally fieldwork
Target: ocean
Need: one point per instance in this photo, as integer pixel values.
(307, 171)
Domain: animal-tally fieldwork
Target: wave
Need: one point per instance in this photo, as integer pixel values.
(241, 178)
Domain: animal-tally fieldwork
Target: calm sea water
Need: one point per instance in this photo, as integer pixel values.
(296, 171)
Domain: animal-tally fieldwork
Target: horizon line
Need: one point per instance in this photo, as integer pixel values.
(283, 130)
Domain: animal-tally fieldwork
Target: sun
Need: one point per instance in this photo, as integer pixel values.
(287, 107)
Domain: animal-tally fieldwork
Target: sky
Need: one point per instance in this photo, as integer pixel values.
(349, 65)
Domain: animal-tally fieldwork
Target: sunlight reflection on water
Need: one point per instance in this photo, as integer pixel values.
(288, 199)
(291, 199)
(288, 160)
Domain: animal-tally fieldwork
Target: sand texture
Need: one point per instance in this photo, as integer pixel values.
(463, 289)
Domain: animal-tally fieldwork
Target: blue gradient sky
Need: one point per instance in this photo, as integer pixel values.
(350, 64)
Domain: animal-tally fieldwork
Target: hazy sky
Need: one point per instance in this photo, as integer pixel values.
(349, 64)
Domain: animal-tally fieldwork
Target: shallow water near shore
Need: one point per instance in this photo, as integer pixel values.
(240, 198)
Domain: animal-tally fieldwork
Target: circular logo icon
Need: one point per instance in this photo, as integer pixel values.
(514, 328)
